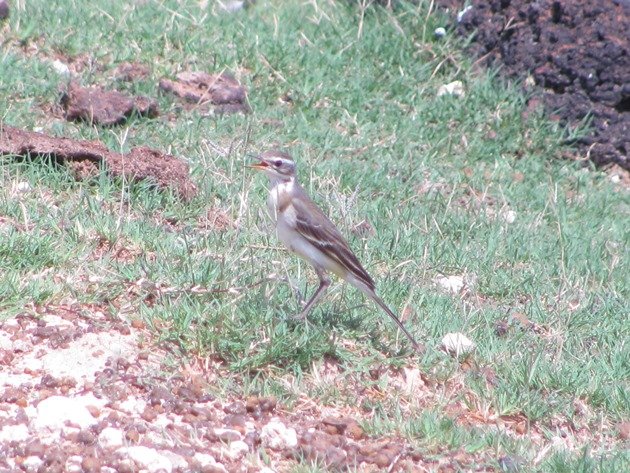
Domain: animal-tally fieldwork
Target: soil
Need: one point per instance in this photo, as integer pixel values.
(85, 158)
(96, 106)
(577, 52)
(220, 93)
(4, 9)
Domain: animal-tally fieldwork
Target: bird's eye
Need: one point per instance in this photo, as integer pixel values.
(278, 163)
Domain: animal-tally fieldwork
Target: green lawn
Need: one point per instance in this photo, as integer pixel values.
(352, 95)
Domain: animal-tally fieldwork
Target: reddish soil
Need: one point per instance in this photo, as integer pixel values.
(220, 92)
(96, 106)
(578, 53)
(85, 157)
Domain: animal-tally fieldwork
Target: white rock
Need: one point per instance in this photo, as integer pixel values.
(266, 469)
(54, 412)
(455, 88)
(147, 458)
(508, 216)
(413, 380)
(457, 344)
(179, 463)
(439, 32)
(32, 463)
(235, 450)
(17, 433)
(22, 187)
(206, 461)
(277, 436)
(227, 435)
(111, 437)
(461, 14)
(73, 464)
(133, 405)
(232, 6)
(61, 68)
(452, 283)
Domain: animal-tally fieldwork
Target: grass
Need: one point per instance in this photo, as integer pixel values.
(352, 94)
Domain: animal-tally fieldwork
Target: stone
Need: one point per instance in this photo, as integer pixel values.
(147, 458)
(457, 344)
(111, 437)
(15, 433)
(55, 412)
(278, 436)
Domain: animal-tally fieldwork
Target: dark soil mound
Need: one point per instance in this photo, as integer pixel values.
(577, 51)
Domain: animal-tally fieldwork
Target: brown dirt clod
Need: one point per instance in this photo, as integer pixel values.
(104, 107)
(139, 164)
(221, 91)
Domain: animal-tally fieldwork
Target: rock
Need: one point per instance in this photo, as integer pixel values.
(55, 412)
(235, 451)
(16, 433)
(508, 216)
(146, 458)
(32, 463)
(73, 464)
(61, 68)
(232, 6)
(111, 438)
(227, 435)
(179, 462)
(209, 464)
(457, 344)
(22, 187)
(278, 436)
(452, 283)
(455, 88)
(439, 32)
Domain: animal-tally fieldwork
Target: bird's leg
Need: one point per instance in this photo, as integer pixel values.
(324, 282)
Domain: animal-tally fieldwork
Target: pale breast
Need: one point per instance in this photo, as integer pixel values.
(279, 198)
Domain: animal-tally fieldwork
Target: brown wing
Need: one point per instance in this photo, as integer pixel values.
(313, 225)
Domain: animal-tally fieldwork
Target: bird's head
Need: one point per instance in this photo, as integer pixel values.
(278, 165)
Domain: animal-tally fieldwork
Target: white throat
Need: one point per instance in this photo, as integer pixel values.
(280, 189)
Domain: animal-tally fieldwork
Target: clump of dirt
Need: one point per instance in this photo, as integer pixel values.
(131, 71)
(96, 106)
(4, 9)
(221, 92)
(577, 51)
(141, 163)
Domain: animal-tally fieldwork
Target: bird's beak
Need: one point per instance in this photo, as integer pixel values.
(260, 165)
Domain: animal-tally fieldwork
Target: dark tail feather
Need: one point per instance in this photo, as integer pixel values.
(388, 311)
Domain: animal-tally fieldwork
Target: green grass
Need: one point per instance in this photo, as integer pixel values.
(434, 176)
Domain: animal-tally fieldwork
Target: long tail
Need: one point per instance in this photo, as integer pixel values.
(388, 311)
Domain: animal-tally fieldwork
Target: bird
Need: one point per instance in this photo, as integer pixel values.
(305, 230)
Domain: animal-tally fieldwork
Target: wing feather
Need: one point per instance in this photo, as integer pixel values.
(313, 225)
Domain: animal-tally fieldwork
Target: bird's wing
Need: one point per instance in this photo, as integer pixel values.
(313, 225)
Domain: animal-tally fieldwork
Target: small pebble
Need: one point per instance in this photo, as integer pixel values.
(457, 344)
(61, 68)
(439, 32)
